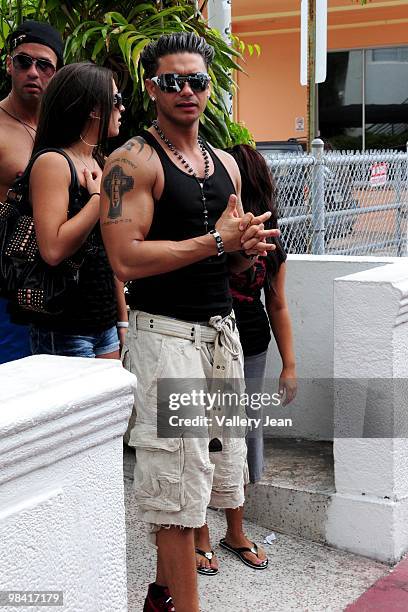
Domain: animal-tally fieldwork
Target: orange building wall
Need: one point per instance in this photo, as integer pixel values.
(271, 97)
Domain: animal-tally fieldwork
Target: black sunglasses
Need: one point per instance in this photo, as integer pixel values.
(21, 61)
(173, 83)
(117, 100)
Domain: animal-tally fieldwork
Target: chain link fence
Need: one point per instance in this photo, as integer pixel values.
(342, 203)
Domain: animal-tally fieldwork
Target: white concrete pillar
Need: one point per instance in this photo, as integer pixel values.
(219, 17)
(309, 290)
(62, 518)
(369, 511)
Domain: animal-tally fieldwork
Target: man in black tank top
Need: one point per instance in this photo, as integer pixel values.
(174, 227)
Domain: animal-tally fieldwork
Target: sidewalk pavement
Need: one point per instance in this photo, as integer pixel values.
(390, 593)
(302, 575)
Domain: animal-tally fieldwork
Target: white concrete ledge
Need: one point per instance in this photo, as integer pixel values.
(62, 523)
(77, 405)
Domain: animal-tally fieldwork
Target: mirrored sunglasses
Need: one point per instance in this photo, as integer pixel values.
(21, 61)
(173, 83)
(117, 100)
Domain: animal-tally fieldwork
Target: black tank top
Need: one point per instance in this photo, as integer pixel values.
(200, 290)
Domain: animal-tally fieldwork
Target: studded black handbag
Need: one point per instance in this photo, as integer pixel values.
(26, 279)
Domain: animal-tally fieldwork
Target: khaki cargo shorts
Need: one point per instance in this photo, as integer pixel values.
(177, 478)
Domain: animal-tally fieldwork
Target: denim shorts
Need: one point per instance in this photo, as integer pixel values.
(44, 341)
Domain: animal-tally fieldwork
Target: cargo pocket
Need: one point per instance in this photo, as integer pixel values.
(159, 470)
(230, 469)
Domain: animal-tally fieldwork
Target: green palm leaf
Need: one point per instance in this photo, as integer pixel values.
(115, 32)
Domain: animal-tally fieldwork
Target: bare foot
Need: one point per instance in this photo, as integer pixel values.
(202, 541)
(240, 540)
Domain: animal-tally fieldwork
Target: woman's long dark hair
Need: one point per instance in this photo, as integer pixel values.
(258, 192)
(72, 94)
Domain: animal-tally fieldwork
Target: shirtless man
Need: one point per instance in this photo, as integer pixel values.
(35, 53)
(172, 224)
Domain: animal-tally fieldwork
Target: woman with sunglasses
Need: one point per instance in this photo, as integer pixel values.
(80, 110)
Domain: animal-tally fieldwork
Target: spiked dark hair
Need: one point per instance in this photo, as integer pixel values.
(179, 42)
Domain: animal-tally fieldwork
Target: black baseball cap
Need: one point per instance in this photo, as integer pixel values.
(41, 33)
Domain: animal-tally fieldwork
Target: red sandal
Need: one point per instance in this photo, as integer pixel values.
(164, 603)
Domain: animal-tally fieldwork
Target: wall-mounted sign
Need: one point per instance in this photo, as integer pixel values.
(300, 124)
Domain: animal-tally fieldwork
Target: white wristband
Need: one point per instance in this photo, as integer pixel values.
(122, 324)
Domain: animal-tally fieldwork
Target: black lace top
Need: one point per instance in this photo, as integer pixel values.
(92, 308)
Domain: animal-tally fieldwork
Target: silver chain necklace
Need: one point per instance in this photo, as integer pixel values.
(91, 170)
(189, 168)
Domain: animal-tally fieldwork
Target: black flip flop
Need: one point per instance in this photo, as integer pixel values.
(238, 552)
(206, 571)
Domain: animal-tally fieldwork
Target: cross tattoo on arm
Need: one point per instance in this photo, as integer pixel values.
(115, 184)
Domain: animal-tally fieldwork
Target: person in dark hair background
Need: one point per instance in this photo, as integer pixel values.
(79, 111)
(255, 322)
(35, 53)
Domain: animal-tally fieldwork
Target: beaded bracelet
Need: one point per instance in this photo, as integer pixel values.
(218, 241)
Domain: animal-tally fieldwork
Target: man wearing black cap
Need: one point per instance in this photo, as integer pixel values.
(35, 53)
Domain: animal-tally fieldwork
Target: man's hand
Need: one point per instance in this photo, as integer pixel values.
(228, 226)
(253, 240)
(254, 235)
(245, 233)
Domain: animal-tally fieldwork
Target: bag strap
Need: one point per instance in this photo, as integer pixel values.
(74, 177)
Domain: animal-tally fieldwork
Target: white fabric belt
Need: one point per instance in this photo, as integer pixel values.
(221, 331)
(173, 327)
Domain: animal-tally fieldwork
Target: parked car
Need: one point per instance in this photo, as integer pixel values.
(293, 183)
(269, 147)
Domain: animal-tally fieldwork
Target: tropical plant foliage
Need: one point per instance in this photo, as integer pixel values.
(115, 33)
